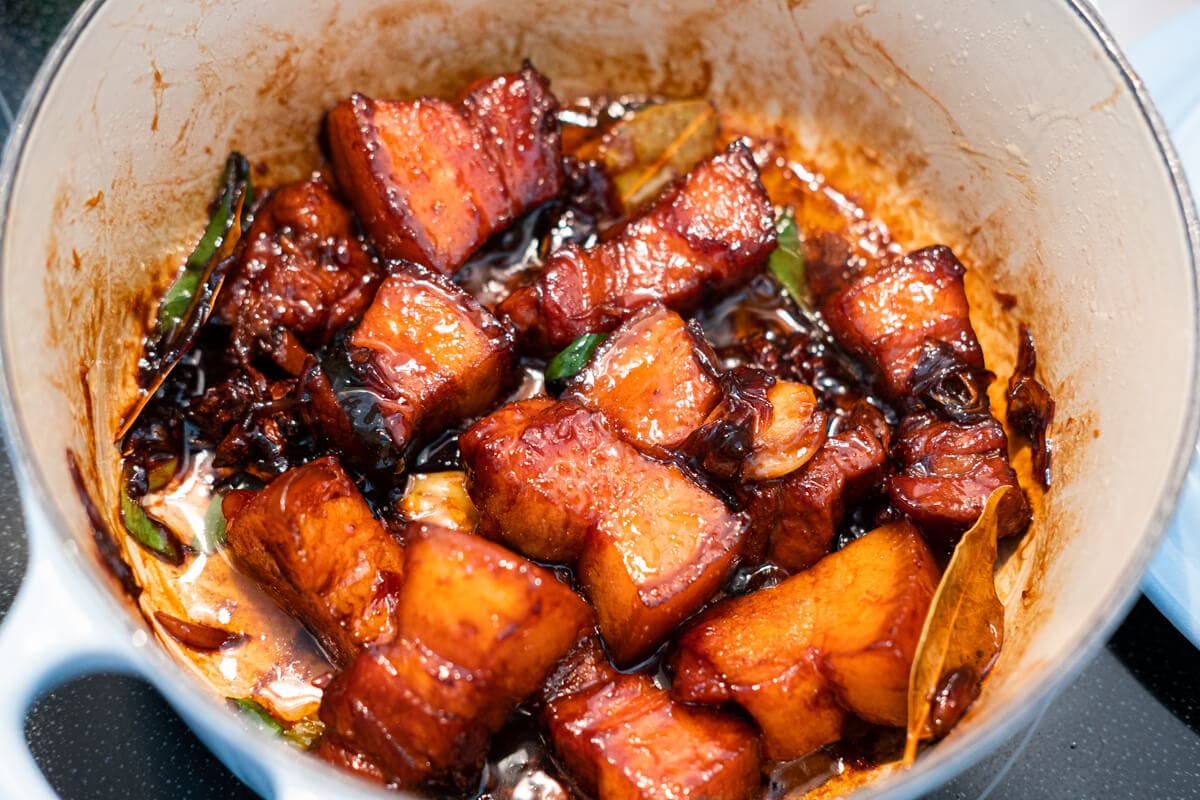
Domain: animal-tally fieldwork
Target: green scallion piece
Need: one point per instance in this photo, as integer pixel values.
(234, 180)
(573, 358)
(787, 261)
(256, 711)
(148, 533)
(212, 538)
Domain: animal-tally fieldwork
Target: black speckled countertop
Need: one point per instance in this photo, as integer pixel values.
(1129, 726)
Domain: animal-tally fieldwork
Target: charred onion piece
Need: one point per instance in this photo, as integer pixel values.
(1030, 407)
(944, 382)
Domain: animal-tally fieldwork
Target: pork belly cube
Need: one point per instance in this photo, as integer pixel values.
(710, 231)
(554, 481)
(515, 116)
(948, 470)
(836, 638)
(528, 480)
(416, 716)
(301, 270)
(886, 316)
(310, 540)
(431, 354)
(645, 572)
(798, 517)
(487, 609)
(650, 379)
(431, 181)
(622, 738)
(413, 171)
(756, 651)
(481, 629)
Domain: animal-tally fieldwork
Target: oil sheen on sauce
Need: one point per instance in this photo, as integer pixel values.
(277, 661)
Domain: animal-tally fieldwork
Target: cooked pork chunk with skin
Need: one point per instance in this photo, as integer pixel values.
(554, 481)
(650, 380)
(623, 738)
(487, 609)
(311, 541)
(837, 638)
(948, 470)
(884, 317)
(480, 629)
(302, 275)
(412, 714)
(523, 482)
(710, 231)
(431, 181)
(796, 518)
(431, 354)
(515, 116)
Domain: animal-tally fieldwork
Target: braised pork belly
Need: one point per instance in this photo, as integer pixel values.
(311, 540)
(602, 451)
(425, 706)
(432, 180)
(623, 738)
(706, 234)
(555, 482)
(835, 639)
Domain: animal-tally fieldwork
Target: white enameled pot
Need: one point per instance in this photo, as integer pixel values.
(1016, 126)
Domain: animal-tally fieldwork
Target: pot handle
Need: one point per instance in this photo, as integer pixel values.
(47, 637)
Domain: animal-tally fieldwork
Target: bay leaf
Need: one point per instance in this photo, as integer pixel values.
(653, 146)
(257, 712)
(964, 628)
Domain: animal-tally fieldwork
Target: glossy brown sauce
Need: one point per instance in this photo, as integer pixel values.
(278, 664)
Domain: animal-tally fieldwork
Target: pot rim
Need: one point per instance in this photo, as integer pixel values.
(935, 768)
